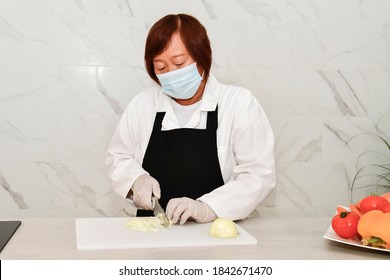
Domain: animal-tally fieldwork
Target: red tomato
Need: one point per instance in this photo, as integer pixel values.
(372, 202)
(345, 224)
(385, 208)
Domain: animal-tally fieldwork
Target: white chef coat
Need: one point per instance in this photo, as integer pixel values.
(245, 145)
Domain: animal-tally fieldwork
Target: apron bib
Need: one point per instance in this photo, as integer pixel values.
(184, 161)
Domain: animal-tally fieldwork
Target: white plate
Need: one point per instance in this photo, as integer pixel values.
(331, 235)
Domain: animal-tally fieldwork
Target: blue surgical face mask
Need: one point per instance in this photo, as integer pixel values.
(181, 83)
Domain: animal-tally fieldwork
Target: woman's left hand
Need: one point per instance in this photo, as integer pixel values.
(183, 208)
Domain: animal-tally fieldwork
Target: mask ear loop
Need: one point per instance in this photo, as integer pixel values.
(202, 75)
(202, 72)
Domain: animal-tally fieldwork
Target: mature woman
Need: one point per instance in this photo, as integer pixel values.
(203, 148)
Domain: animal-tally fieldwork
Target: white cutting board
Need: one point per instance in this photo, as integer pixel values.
(111, 233)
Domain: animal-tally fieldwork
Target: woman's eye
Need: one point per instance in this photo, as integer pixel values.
(179, 64)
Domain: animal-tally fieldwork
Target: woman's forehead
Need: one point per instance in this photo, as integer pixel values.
(175, 48)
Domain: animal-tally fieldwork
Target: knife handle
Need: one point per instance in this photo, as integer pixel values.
(154, 201)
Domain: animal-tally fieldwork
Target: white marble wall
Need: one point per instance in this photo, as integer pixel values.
(320, 68)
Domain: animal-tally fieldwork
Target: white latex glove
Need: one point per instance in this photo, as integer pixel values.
(184, 208)
(143, 189)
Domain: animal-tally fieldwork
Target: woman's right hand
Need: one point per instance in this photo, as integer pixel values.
(143, 189)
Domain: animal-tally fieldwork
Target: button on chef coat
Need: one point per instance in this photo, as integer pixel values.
(245, 145)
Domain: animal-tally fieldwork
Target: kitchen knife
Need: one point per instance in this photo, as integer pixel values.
(157, 209)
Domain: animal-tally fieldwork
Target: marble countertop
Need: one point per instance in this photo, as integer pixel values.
(279, 238)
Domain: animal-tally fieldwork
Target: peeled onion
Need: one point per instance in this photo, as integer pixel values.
(223, 228)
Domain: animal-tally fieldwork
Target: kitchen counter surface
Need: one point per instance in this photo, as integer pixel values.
(279, 238)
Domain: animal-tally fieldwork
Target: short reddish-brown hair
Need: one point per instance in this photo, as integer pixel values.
(193, 34)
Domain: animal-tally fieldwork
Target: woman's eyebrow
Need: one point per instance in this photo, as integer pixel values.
(178, 55)
(174, 56)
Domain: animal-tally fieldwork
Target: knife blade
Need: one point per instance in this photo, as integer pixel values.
(157, 209)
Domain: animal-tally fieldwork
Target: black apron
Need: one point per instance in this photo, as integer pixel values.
(184, 161)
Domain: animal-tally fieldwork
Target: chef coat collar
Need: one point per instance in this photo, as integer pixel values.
(210, 94)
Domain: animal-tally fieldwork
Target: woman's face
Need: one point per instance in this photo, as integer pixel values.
(174, 57)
